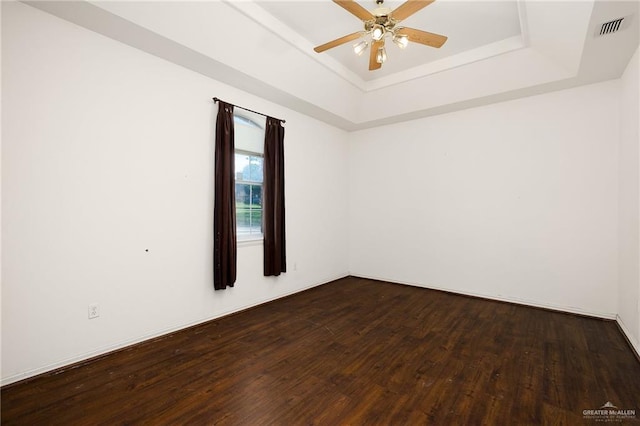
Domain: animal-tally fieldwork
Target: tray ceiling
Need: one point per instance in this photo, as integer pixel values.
(470, 25)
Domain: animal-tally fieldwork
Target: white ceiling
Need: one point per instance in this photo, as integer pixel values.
(497, 50)
(468, 24)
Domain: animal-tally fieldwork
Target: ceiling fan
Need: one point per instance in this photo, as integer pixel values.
(379, 23)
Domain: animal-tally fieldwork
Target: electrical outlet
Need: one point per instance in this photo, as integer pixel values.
(94, 312)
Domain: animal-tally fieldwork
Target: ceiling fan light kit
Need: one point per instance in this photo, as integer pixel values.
(360, 47)
(401, 40)
(381, 56)
(377, 32)
(379, 23)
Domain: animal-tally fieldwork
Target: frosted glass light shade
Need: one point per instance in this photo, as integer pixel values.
(401, 41)
(360, 47)
(381, 56)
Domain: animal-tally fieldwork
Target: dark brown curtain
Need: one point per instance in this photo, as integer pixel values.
(275, 261)
(224, 207)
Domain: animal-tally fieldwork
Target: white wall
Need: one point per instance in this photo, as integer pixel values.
(629, 210)
(108, 152)
(514, 201)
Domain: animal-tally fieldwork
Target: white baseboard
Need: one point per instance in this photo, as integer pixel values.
(110, 348)
(518, 301)
(632, 341)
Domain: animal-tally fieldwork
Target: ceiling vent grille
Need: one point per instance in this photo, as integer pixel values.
(611, 26)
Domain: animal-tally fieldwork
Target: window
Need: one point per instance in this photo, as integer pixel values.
(248, 194)
(249, 141)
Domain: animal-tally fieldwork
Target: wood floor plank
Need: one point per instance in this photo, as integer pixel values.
(353, 351)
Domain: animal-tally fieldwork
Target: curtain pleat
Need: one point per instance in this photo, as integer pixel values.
(275, 261)
(224, 209)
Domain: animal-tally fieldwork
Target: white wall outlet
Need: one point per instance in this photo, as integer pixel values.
(94, 312)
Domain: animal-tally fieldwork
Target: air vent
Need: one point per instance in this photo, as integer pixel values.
(611, 26)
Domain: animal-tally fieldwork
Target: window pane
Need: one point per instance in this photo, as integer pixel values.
(238, 119)
(249, 131)
(243, 221)
(243, 192)
(256, 221)
(255, 169)
(241, 161)
(248, 167)
(256, 196)
(248, 209)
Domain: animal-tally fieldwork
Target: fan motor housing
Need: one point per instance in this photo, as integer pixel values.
(387, 22)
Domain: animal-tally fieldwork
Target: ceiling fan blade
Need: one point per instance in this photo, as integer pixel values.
(337, 42)
(423, 37)
(354, 8)
(408, 8)
(373, 64)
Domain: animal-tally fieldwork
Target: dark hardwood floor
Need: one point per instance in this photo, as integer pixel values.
(353, 351)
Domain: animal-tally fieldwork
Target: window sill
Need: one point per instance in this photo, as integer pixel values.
(250, 242)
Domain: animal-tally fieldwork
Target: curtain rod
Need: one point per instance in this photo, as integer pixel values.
(247, 109)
